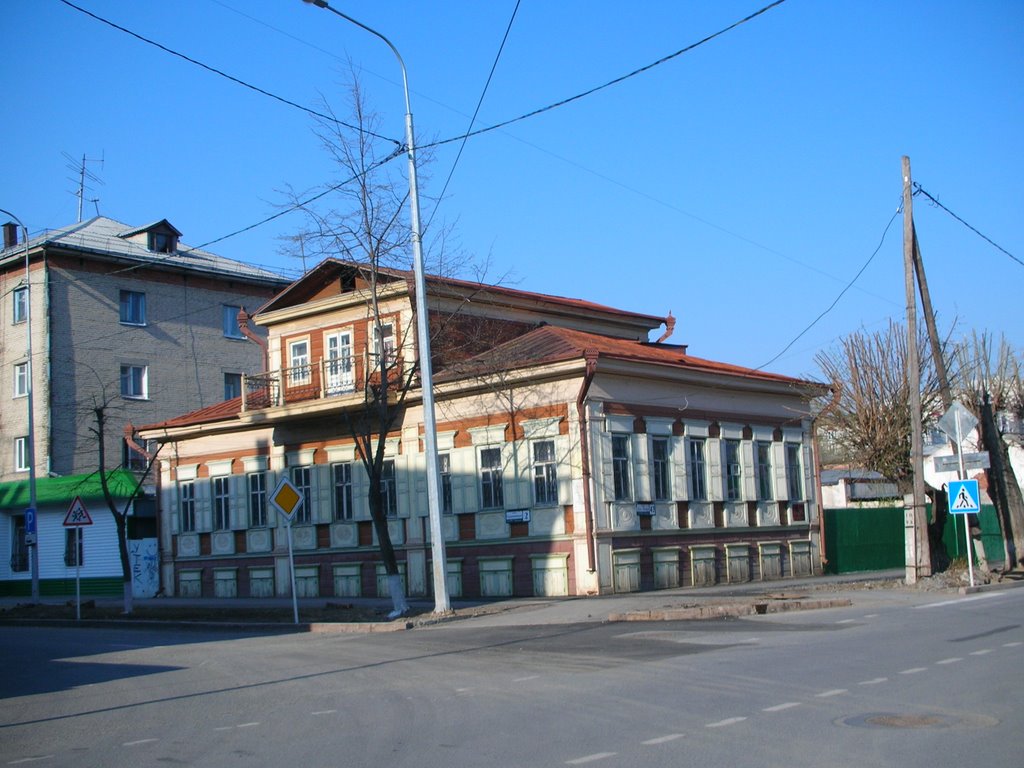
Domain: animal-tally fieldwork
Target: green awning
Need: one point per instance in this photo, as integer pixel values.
(61, 491)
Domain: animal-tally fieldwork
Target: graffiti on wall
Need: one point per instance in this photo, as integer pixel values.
(142, 555)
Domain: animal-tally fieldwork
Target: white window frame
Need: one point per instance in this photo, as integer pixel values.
(132, 307)
(763, 470)
(19, 308)
(187, 506)
(622, 474)
(222, 503)
(696, 457)
(339, 364)
(545, 474)
(257, 486)
(661, 470)
(21, 376)
(388, 341)
(299, 371)
(444, 470)
(794, 471)
(229, 321)
(733, 470)
(21, 454)
(343, 507)
(302, 479)
(389, 487)
(140, 382)
(492, 491)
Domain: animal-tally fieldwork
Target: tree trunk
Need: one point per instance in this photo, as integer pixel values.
(121, 524)
(1003, 487)
(399, 605)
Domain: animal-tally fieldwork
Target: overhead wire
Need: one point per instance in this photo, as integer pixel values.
(612, 82)
(476, 112)
(223, 74)
(842, 293)
(918, 189)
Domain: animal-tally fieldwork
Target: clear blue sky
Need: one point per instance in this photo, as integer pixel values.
(741, 185)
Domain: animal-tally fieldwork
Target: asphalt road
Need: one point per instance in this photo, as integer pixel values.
(921, 681)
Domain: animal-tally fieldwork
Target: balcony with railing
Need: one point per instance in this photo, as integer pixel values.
(322, 380)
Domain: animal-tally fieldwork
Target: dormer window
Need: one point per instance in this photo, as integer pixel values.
(162, 242)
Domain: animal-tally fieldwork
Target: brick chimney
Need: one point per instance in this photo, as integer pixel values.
(10, 234)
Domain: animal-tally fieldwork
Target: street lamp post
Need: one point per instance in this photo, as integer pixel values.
(30, 452)
(441, 602)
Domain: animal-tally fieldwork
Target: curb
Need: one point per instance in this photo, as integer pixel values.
(733, 610)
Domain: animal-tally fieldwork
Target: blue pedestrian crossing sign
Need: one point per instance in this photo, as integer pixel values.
(964, 497)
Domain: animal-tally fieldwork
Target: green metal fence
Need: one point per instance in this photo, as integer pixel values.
(871, 539)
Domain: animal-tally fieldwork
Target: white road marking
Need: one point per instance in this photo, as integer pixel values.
(247, 725)
(847, 621)
(875, 681)
(952, 660)
(727, 721)
(959, 601)
(1014, 644)
(663, 739)
(524, 679)
(591, 758)
(780, 707)
(463, 690)
(829, 694)
(224, 728)
(913, 670)
(138, 741)
(982, 652)
(30, 759)
(871, 616)
(323, 712)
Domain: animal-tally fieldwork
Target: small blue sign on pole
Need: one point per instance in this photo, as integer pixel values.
(30, 520)
(964, 497)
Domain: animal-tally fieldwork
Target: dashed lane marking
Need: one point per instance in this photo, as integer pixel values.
(913, 670)
(982, 652)
(871, 616)
(874, 681)
(781, 707)
(524, 679)
(830, 694)
(847, 621)
(323, 712)
(724, 723)
(591, 758)
(662, 739)
(1014, 644)
(30, 760)
(138, 741)
(952, 660)
(247, 725)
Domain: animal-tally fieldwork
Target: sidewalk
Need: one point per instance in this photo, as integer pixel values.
(876, 587)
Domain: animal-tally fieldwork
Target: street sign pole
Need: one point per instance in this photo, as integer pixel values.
(291, 570)
(78, 573)
(963, 476)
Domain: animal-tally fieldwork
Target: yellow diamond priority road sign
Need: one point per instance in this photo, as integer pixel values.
(286, 498)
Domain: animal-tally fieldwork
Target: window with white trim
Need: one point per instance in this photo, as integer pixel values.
(221, 503)
(384, 343)
(135, 381)
(660, 477)
(20, 307)
(388, 488)
(133, 308)
(342, 491)
(302, 479)
(763, 469)
(258, 500)
(21, 379)
(622, 485)
(697, 469)
(733, 470)
(545, 473)
(21, 454)
(298, 362)
(794, 472)
(229, 321)
(492, 495)
(187, 506)
(444, 465)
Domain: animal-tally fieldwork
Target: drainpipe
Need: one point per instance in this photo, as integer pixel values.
(591, 356)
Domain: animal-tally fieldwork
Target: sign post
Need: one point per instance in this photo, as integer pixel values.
(963, 494)
(965, 499)
(77, 517)
(287, 500)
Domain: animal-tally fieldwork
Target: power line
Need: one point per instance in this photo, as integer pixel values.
(610, 83)
(848, 286)
(918, 189)
(232, 78)
(476, 111)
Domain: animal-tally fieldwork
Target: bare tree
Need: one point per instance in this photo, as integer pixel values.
(120, 513)
(990, 384)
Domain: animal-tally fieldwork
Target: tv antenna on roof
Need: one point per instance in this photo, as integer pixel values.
(84, 175)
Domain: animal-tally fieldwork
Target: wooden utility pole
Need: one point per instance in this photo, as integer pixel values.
(918, 562)
(933, 331)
